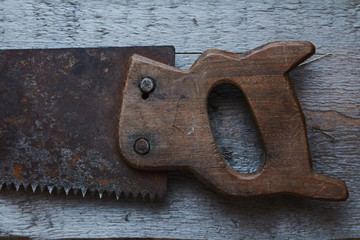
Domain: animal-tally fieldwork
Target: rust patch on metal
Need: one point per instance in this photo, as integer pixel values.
(103, 182)
(75, 159)
(59, 119)
(17, 172)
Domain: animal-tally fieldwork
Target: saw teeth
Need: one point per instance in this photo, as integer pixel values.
(83, 191)
(33, 187)
(66, 189)
(50, 188)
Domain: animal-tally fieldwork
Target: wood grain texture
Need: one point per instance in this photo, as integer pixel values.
(328, 90)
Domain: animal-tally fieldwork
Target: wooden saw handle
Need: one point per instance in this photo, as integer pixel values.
(173, 120)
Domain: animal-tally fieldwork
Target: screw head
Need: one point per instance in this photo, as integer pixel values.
(147, 85)
(142, 146)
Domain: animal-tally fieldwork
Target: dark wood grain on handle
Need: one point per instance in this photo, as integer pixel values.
(174, 120)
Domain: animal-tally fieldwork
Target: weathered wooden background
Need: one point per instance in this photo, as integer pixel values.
(328, 88)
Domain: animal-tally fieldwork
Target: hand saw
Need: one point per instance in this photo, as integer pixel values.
(108, 119)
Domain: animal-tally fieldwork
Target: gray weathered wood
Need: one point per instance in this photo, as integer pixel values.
(328, 90)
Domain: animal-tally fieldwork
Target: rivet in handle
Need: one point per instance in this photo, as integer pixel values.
(147, 85)
(142, 146)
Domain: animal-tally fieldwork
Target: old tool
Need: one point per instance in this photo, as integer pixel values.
(71, 118)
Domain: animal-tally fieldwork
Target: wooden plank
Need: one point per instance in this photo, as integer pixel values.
(328, 90)
(190, 27)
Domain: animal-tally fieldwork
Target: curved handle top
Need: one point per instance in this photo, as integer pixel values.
(173, 119)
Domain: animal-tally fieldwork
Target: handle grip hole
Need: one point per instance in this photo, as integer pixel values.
(234, 129)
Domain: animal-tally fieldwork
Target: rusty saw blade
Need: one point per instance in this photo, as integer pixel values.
(59, 120)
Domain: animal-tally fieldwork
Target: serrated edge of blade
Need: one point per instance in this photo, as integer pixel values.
(50, 189)
(118, 194)
(33, 187)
